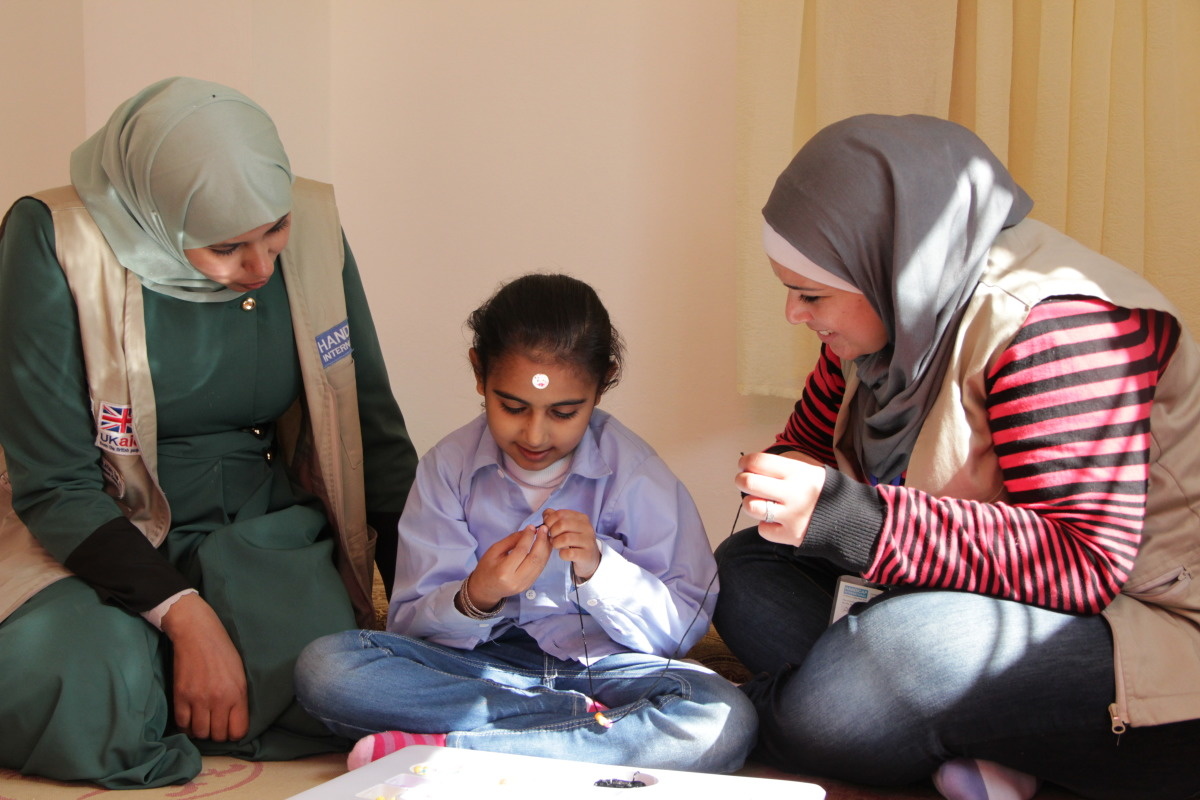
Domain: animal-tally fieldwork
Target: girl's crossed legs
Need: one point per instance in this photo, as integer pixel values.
(508, 696)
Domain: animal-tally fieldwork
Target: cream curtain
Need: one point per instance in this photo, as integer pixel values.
(1094, 105)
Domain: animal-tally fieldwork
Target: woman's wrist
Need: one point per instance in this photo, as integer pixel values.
(155, 615)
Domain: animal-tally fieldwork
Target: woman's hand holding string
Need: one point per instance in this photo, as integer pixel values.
(781, 492)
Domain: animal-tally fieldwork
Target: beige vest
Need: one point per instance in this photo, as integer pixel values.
(1156, 618)
(320, 435)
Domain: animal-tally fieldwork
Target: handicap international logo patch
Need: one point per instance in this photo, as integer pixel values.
(334, 344)
(114, 429)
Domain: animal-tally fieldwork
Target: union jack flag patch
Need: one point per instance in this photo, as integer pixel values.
(114, 429)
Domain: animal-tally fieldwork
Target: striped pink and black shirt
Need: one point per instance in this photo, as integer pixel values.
(1068, 404)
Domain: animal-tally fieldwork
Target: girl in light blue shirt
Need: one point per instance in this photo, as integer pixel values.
(551, 572)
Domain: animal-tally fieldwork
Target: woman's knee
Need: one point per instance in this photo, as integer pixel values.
(904, 673)
(953, 643)
(75, 660)
(740, 563)
(68, 617)
(745, 543)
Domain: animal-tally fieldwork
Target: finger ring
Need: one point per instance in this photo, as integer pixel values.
(770, 517)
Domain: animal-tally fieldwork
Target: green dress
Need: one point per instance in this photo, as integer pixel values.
(95, 678)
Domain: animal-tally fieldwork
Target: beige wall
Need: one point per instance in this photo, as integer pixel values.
(469, 142)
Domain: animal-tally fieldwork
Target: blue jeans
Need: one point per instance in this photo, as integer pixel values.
(507, 696)
(915, 678)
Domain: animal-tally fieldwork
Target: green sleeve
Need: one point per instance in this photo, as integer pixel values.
(46, 427)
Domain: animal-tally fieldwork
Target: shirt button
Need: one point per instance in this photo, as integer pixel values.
(268, 456)
(249, 303)
(531, 594)
(592, 602)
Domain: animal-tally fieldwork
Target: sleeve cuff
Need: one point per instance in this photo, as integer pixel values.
(846, 523)
(124, 568)
(155, 615)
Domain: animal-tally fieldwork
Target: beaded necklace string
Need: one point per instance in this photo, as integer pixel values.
(602, 720)
(599, 716)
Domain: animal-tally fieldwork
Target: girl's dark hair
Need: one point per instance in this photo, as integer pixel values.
(548, 317)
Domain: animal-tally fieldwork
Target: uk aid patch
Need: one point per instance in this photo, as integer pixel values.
(334, 344)
(114, 429)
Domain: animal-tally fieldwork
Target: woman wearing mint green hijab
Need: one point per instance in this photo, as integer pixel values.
(198, 427)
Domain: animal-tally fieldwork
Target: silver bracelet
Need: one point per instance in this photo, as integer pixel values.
(464, 594)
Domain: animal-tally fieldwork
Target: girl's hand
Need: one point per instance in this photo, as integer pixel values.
(781, 492)
(572, 535)
(509, 567)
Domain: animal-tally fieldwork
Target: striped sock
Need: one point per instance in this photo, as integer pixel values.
(378, 745)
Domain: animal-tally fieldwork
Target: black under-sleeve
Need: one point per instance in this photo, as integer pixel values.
(386, 525)
(124, 568)
(846, 522)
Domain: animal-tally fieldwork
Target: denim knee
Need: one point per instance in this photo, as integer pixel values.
(322, 664)
(723, 722)
(738, 734)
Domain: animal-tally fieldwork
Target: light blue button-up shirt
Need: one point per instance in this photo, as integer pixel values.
(653, 592)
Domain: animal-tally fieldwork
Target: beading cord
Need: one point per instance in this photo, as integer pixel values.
(599, 715)
(600, 718)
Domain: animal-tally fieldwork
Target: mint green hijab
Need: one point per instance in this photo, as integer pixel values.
(183, 164)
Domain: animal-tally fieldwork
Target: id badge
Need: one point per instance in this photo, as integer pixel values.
(850, 591)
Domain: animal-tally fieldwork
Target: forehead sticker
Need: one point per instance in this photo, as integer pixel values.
(540, 381)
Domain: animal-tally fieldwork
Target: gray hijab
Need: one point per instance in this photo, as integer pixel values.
(183, 164)
(905, 209)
